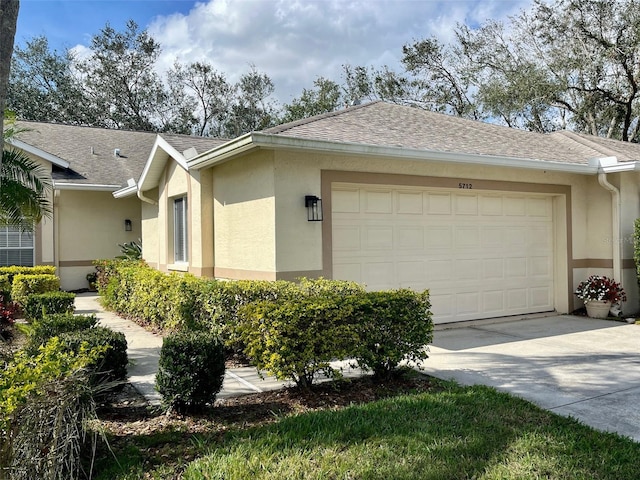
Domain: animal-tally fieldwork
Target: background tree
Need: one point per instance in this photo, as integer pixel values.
(251, 109)
(43, 86)
(208, 93)
(325, 97)
(8, 21)
(123, 89)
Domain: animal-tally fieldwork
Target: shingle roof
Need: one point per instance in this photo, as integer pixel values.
(90, 151)
(390, 125)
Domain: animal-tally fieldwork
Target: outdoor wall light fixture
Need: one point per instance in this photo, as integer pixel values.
(314, 208)
(128, 226)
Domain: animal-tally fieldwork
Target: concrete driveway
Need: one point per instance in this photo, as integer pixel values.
(574, 366)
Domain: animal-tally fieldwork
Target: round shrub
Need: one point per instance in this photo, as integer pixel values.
(112, 366)
(191, 370)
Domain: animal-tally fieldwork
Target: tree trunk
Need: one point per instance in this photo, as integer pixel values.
(8, 21)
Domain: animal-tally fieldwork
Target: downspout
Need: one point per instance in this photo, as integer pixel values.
(146, 199)
(615, 224)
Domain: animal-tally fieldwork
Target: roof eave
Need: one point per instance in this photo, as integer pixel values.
(59, 162)
(155, 164)
(262, 140)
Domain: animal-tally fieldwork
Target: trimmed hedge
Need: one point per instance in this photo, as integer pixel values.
(56, 324)
(297, 339)
(392, 326)
(191, 370)
(39, 304)
(14, 270)
(292, 330)
(25, 285)
(109, 367)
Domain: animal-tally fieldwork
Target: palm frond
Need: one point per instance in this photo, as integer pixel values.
(25, 188)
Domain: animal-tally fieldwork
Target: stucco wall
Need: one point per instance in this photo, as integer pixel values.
(90, 225)
(244, 216)
(150, 232)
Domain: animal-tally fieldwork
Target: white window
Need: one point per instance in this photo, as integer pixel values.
(180, 230)
(16, 247)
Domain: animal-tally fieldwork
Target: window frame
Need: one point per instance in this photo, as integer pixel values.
(5, 230)
(180, 230)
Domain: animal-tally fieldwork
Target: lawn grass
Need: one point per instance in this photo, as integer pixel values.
(455, 433)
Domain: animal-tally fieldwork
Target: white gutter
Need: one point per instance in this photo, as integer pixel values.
(85, 186)
(262, 140)
(606, 165)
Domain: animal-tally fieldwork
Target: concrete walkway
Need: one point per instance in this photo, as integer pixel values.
(575, 366)
(144, 351)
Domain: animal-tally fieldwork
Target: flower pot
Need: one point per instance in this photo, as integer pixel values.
(598, 308)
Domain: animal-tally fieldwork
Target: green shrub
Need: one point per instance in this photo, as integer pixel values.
(38, 304)
(191, 370)
(53, 325)
(44, 405)
(392, 326)
(25, 285)
(111, 366)
(14, 270)
(5, 285)
(298, 338)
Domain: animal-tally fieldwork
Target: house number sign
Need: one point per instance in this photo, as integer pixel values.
(466, 186)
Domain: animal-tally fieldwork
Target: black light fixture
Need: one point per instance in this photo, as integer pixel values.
(314, 208)
(128, 226)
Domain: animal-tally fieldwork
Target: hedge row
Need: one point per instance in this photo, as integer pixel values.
(291, 330)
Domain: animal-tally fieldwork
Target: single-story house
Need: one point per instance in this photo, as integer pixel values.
(86, 165)
(493, 221)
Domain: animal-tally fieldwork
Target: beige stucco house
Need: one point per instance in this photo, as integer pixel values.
(494, 221)
(87, 165)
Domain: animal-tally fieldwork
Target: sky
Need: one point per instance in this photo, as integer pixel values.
(292, 41)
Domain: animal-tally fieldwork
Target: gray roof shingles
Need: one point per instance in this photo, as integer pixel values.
(90, 151)
(390, 125)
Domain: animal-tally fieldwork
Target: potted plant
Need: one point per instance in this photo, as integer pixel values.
(598, 293)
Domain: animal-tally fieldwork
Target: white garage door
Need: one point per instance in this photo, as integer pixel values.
(481, 255)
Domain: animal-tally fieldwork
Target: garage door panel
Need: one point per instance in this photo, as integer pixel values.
(479, 254)
(493, 301)
(466, 204)
(410, 203)
(346, 238)
(491, 205)
(410, 237)
(377, 201)
(439, 204)
(377, 238)
(346, 201)
(439, 236)
(467, 237)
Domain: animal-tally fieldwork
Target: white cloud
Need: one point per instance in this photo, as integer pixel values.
(295, 41)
